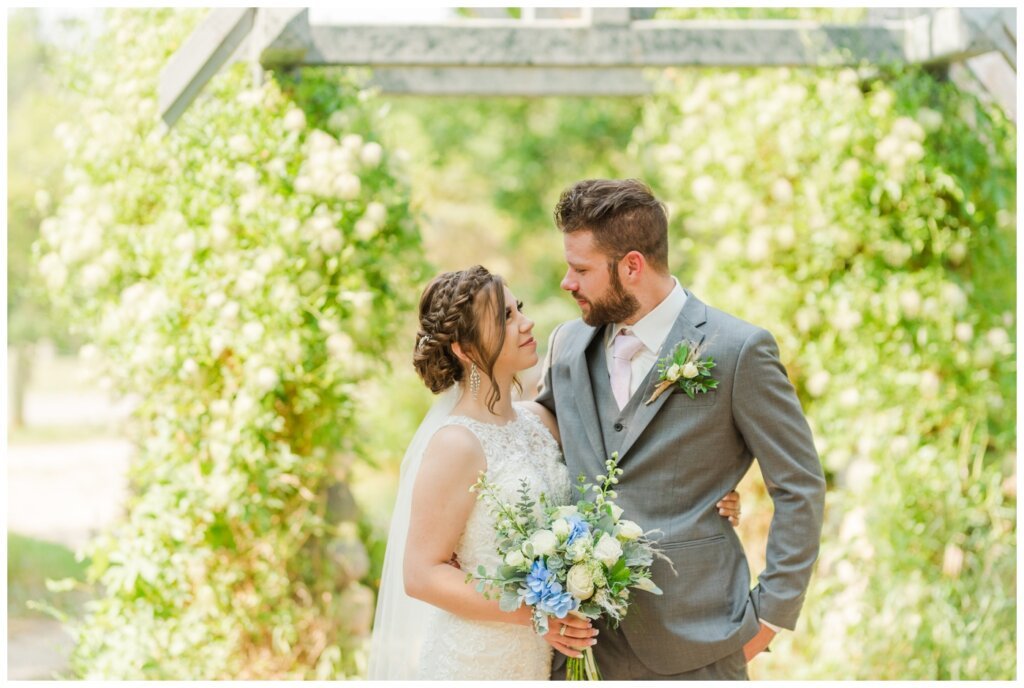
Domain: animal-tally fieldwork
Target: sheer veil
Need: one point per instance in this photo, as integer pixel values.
(399, 621)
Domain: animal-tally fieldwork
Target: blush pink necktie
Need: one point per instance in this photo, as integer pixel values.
(624, 348)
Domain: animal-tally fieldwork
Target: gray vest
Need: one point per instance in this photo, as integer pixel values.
(614, 423)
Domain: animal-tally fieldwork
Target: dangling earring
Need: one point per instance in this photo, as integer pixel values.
(474, 380)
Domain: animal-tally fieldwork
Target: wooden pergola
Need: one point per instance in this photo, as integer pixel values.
(590, 51)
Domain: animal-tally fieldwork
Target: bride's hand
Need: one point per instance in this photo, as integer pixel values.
(729, 506)
(570, 635)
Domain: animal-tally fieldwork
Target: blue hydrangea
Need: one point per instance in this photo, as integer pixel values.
(577, 528)
(545, 593)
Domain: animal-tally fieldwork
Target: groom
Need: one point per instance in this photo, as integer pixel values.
(680, 455)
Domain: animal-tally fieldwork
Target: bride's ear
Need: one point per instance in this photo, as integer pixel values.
(459, 353)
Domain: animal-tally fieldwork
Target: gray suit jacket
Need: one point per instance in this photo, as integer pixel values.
(680, 456)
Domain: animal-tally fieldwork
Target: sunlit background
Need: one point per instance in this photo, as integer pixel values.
(209, 334)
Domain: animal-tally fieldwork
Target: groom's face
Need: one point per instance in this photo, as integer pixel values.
(593, 280)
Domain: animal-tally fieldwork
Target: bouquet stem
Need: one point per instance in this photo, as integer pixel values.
(583, 668)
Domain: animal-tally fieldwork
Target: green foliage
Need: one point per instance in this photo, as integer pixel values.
(238, 276)
(870, 225)
(30, 563)
(488, 172)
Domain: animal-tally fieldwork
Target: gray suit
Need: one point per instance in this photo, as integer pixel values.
(680, 456)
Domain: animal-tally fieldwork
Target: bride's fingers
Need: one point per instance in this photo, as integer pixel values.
(567, 651)
(577, 632)
(576, 622)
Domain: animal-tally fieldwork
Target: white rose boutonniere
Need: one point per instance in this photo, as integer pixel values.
(685, 368)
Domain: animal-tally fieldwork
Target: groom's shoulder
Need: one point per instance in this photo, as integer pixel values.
(570, 331)
(729, 329)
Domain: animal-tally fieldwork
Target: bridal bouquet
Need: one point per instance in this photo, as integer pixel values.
(578, 559)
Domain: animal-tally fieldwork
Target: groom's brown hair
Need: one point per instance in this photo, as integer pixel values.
(622, 214)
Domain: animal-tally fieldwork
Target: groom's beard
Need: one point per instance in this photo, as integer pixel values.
(617, 306)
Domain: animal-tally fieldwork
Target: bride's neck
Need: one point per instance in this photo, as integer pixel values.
(477, 407)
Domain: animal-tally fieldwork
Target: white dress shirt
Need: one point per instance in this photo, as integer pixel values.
(652, 329)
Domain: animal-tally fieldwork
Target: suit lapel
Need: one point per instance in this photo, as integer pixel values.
(692, 316)
(583, 392)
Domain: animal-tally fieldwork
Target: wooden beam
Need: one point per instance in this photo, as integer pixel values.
(568, 43)
(512, 81)
(951, 35)
(199, 58)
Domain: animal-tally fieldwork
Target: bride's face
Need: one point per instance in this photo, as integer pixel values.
(519, 350)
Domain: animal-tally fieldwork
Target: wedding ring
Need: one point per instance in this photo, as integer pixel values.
(561, 631)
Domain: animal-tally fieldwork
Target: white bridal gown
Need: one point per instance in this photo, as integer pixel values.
(459, 649)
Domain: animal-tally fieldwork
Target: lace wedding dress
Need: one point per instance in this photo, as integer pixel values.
(459, 649)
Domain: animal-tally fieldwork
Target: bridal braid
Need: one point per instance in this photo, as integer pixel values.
(450, 311)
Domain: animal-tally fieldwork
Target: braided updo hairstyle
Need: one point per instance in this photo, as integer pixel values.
(452, 309)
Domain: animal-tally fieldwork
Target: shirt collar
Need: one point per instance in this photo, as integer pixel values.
(653, 328)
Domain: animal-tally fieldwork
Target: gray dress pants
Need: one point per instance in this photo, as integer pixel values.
(617, 662)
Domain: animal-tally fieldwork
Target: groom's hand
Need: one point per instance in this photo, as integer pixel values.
(729, 507)
(758, 643)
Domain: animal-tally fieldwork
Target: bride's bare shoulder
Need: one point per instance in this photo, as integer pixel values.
(545, 416)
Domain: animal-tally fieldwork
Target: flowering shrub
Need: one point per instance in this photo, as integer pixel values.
(236, 276)
(869, 224)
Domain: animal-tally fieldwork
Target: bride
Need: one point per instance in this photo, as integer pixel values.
(430, 623)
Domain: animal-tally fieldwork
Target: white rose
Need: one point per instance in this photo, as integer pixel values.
(608, 550)
(566, 511)
(579, 582)
(544, 543)
(560, 528)
(295, 120)
(616, 511)
(673, 372)
(627, 530)
(515, 558)
(690, 370)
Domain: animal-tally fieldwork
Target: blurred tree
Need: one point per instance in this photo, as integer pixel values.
(34, 184)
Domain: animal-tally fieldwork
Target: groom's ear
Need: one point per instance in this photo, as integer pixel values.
(634, 264)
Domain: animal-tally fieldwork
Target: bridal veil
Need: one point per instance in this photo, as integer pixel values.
(400, 620)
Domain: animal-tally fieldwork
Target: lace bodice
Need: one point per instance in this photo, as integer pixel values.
(457, 648)
(522, 449)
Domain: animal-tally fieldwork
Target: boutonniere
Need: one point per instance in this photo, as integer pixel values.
(684, 367)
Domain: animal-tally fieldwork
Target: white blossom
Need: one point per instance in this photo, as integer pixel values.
(240, 145)
(266, 379)
(371, 154)
(347, 186)
(295, 120)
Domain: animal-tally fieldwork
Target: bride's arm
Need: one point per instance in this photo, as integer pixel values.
(441, 504)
